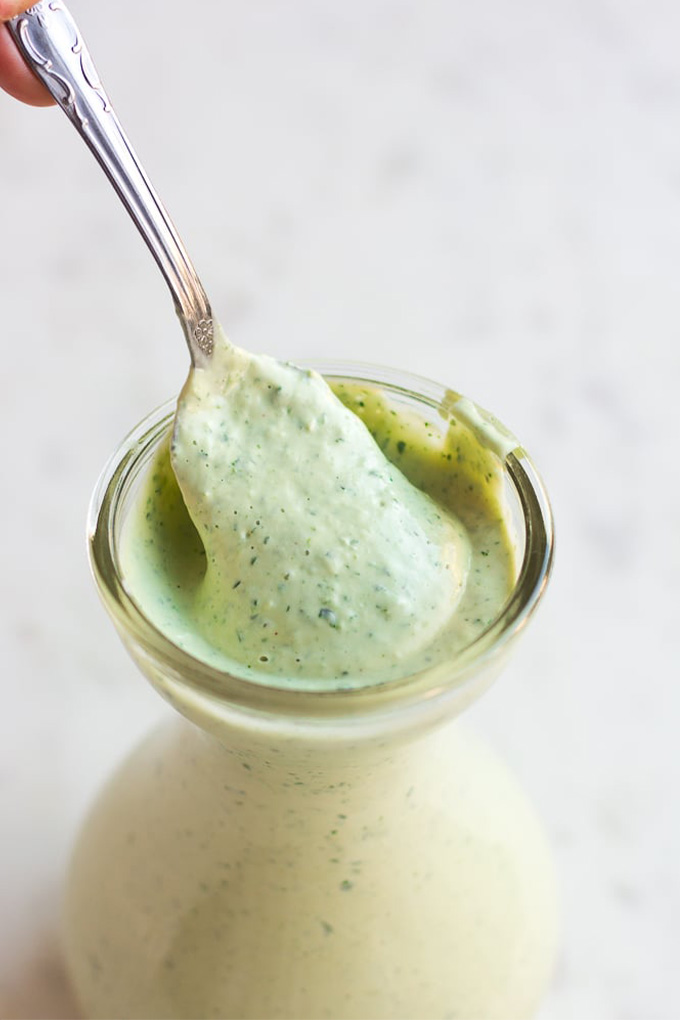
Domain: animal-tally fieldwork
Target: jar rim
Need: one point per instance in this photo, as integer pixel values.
(154, 649)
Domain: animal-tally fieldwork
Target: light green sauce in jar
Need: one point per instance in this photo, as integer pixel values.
(290, 531)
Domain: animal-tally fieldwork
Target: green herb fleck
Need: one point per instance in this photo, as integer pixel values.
(329, 616)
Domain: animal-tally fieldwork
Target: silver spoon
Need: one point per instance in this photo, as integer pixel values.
(52, 46)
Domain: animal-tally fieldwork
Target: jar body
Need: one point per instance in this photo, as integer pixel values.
(310, 878)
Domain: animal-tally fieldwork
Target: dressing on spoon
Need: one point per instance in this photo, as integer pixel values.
(318, 550)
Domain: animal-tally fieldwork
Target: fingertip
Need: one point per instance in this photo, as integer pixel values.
(10, 8)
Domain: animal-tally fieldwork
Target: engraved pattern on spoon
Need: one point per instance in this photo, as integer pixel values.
(32, 26)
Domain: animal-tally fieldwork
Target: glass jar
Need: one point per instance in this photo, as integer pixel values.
(282, 852)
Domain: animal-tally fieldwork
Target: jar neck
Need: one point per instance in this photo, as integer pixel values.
(384, 719)
(297, 768)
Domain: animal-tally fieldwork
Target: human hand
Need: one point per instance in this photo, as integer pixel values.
(15, 76)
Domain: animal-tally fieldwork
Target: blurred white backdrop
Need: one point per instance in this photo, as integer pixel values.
(487, 194)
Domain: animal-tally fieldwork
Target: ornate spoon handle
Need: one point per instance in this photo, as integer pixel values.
(51, 44)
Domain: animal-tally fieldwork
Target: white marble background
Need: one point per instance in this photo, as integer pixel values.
(487, 193)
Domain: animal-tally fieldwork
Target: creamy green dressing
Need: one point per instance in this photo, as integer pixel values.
(291, 531)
